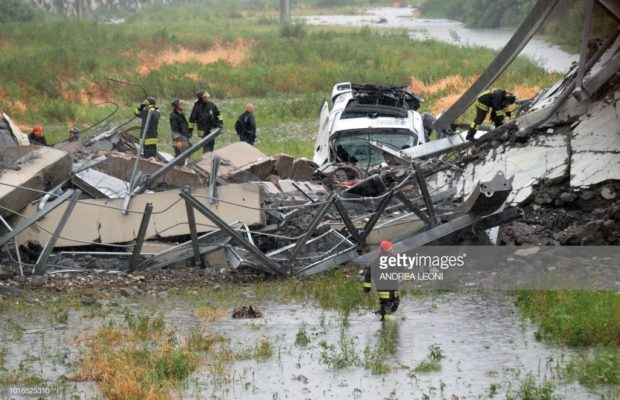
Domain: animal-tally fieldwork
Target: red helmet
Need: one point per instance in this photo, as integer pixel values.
(37, 130)
(386, 246)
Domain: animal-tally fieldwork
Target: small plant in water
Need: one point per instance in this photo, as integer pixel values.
(302, 339)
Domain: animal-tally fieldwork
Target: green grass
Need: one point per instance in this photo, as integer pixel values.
(602, 367)
(531, 389)
(574, 318)
(48, 64)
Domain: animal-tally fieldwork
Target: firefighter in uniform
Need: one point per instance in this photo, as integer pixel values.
(206, 116)
(498, 101)
(151, 138)
(389, 300)
(36, 136)
(179, 127)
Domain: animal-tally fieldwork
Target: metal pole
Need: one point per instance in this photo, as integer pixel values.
(430, 209)
(584, 47)
(42, 261)
(409, 204)
(132, 183)
(377, 214)
(19, 258)
(181, 157)
(191, 221)
(215, 166)
(315, 222)
(37, 216)
(347, 222)
(296, 186)
(146, 217)
(267, 263)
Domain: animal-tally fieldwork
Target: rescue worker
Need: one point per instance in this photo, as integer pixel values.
(74, 134)
(179, 127)
(151, 138)
(206, 116)
(36, 136)
(246, 125)
(389, 300)
(498, 102)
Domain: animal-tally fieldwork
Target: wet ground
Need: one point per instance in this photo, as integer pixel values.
(488, 350)
(549, 56)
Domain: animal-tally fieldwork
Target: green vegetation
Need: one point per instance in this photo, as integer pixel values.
(260, 351)
(139, 360)
(55, 68)
(574, 318)
(530, 389)
(567, 15)
(580, 319)
(432, 362)
(16, 11)
(599, 368)
(301, 338)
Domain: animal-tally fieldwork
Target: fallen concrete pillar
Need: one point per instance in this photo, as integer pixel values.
(40, 168)
(99, 221)
(121, 165)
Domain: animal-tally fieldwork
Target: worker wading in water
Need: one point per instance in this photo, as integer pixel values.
(498, 101)
(389, 300)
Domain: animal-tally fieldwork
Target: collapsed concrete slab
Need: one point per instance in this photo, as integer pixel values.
(239, 161)
(101, 221)
(596, 145)
(545, 157)
(303, 170)
(121, 166)
(34, 167)
(99, 185)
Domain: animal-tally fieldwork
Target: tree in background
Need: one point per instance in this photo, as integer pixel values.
(563, 26)
(16, 11)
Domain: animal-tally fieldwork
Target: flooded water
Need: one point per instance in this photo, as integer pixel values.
(488, 348)
(548, 56)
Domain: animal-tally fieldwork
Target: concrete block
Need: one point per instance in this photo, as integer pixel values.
(239, 161)
(101, 221)
(303, 170)
(283, 165)
(40, 168)
(121, 166)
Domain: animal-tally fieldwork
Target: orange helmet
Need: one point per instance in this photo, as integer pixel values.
(37, 130)
(386, 246)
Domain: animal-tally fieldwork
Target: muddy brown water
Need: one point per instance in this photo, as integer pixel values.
(485, 341)
(548, 56)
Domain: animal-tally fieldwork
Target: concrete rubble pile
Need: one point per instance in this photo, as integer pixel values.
(235, 208)
(551, 176)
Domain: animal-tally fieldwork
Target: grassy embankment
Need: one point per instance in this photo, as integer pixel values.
(55, 70)
(587, 320)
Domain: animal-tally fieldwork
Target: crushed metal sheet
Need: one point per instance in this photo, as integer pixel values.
(100, 185)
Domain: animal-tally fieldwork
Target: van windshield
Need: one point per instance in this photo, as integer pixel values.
(352, 146)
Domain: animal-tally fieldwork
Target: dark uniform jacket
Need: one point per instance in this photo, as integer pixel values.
(495, 99)
(151, 132)
(205, 115)
(179, 125)
(246, 125)
(37, 140)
